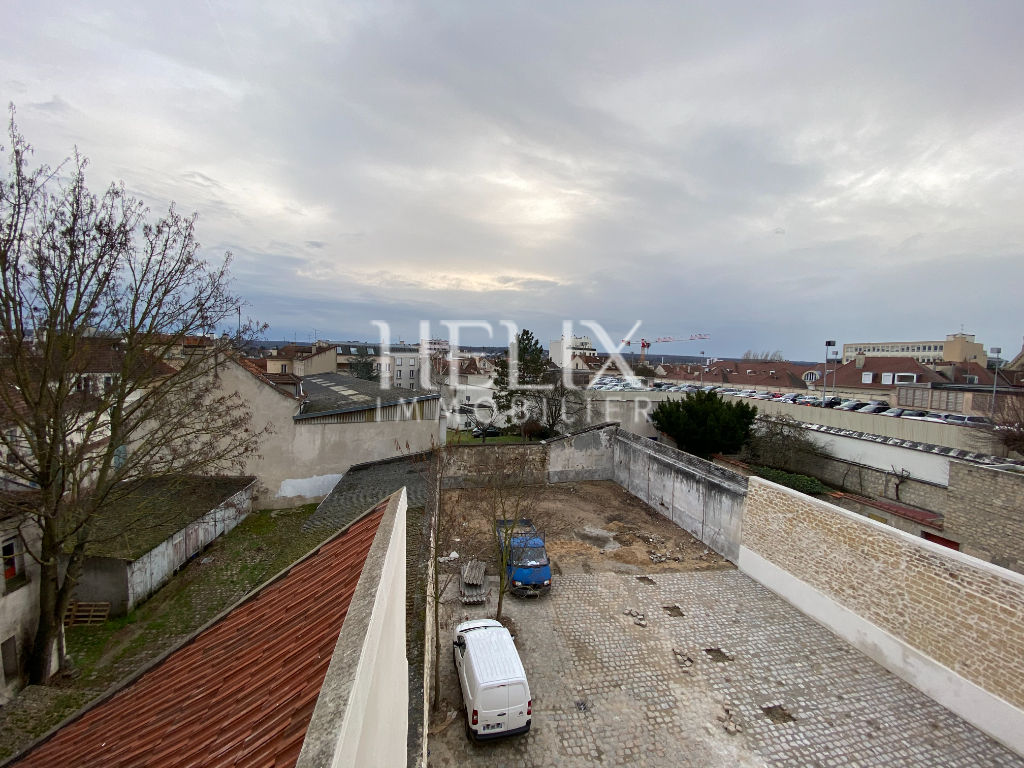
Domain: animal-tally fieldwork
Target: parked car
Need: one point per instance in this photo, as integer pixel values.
(813, 402)
(488, 431)
(831, 402)
(791, 397)
(930, 416)
(955, 418)
(978, 421)
(892, 412)
(873, 408)
(909, 414)
(493, 681)
(850, 405)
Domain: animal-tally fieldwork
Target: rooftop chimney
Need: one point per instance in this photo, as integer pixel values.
(859, 359)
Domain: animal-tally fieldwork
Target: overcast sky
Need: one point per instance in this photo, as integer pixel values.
(771, 174)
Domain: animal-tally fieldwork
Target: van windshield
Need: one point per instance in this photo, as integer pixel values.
(529, 557)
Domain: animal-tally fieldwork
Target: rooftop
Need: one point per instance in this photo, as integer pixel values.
(328, 393)
(239, 692)
(155, 510)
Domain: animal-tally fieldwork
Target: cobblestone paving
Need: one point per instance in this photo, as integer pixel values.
(608, 691)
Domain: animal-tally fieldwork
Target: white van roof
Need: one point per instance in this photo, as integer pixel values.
(493, 652)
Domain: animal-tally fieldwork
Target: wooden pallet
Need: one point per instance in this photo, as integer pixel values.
(86, 613)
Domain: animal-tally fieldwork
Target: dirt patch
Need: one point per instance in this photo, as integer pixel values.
(590, 527)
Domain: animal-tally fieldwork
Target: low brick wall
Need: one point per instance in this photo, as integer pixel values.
(948, 623)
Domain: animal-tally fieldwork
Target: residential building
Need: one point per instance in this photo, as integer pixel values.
(563, 350)
(19, 598)
(303, 360)
(957, 347)
(336, 421)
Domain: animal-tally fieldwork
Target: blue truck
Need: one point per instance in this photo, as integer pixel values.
(528, 569)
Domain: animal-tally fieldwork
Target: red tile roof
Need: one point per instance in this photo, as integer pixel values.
(850, 376)
(242, 691)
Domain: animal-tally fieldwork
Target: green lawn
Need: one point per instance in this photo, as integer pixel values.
(465, 438)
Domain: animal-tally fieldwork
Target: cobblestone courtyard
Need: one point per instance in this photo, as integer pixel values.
(723, 674)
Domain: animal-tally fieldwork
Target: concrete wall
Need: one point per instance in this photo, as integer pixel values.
(696, 495)
(951, 435)
(104, 580)
(584, 455)
(921, 465)
(361, 715)
(630, 409)
(151, 571)
(948, 623)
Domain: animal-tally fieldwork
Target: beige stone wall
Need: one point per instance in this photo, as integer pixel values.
(474, 462)
(965, 615)
(985, 511)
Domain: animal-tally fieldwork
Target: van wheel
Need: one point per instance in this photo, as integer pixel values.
(469, 731)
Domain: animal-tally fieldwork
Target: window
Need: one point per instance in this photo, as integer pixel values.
(353, 351)
(412, 361)
(284, 367)
(83, 384)
(398, 374)
(398, 361)
(14, 563)
(412, 374)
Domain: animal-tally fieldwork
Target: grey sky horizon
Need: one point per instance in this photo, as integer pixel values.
(773, 175)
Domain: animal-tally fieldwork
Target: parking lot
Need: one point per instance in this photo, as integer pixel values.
(688, 663)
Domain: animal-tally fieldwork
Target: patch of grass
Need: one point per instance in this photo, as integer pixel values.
(465, 438)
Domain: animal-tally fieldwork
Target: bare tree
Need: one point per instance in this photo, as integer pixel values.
(510, 493)
(780, 442)
(100, 385)
(559, 407)
(1009, 421)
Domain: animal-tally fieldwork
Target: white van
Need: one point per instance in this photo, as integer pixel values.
(493, 681)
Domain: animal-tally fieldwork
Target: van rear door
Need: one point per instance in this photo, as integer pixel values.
(492, 709)
(518, 706)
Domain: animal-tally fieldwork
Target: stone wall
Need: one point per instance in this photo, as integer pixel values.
(948, 623)
(696, 495)
(473, 463)
(984, 511)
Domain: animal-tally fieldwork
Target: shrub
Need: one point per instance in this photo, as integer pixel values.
(802, 483)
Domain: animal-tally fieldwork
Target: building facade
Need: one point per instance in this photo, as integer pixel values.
(957, 347)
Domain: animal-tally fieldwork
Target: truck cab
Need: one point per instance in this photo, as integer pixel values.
(528, 568)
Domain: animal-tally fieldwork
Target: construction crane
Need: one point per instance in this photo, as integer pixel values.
(645, 344)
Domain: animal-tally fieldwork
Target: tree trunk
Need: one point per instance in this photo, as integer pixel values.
(41, 653)
(501, 597)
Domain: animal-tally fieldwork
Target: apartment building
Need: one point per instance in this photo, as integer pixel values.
(957, 348)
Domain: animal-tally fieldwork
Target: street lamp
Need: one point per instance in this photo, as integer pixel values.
(824, 378)
(702, 369)
(995, 379)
